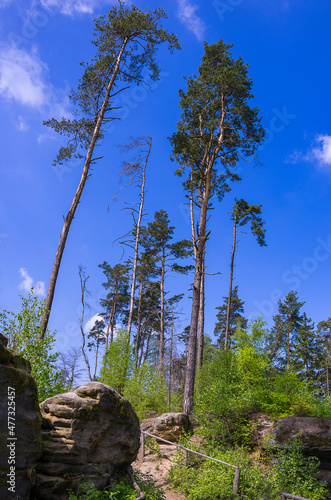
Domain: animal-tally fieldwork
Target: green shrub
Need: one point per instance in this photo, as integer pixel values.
(285, 470)
(117, 365)
(146, 391)
(22, 331)
(121, 490)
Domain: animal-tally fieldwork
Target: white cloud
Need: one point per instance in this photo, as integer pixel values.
(40, 289)
(91, 322)
(186, 13)
(22, 77)
(4, 3)
(21, 125)
(322, 153)
(72, 7)
(27, 284)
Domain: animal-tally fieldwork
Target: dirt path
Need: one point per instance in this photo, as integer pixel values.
(158, 465)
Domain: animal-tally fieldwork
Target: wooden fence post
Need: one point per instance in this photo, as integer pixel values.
(236, 480)
(142, 447)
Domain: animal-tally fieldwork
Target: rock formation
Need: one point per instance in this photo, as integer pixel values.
(313, 432)
(87, 433)
(20, 421)
(171, 426)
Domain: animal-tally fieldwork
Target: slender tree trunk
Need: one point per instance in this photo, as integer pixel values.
(228, 309)
(135, 259)
(96, 360)
(170, 363)
(74, 204)
(147, 346)
(136, 350)
(83, 280)
(201, 324)
(161, 364)
(327, 376)
(110, 327)
(192, 343)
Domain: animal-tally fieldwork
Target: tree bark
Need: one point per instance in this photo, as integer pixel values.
(74, 204)
(83, 280)
(161, 364)
(201, 324)
(135, 259)
(228, 309)
(138, 336)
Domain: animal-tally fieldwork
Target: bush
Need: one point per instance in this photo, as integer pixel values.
(117, 365)
(146, 391)
(284, 470)
(222, 401)
(121, 490)
(22, 330)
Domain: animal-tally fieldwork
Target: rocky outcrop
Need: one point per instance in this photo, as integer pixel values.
(313, 432)
(20, 422)
(87, 433)
(171, 426)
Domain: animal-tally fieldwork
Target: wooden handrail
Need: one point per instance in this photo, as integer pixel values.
(237, 473)
(293, 497)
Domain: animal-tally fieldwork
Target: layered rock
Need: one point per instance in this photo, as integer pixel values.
(171, 426)
(86, 433)
(20, 425)
(313, 432)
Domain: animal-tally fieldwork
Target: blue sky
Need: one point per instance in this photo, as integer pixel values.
(286, 43)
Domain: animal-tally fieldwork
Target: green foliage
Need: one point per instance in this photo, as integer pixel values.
(236, 317)
(222, 400)
(286, 470)
(135, 35)
(118, 363)
(296, 474)
(146, 391)
(121, 490)
(22, 330)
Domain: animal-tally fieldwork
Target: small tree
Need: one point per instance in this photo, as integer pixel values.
(117, 300)
(117, 366)
(227, 323)
(22, 330)
(324, 331)
(126, 40)
(165, 255)
(284, 333)
(242, 214)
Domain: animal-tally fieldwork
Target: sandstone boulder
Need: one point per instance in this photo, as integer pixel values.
(86, 433)
(313, 432)
(20, 423)
(171, 426)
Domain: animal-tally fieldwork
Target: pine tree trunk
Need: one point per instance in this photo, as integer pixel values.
(74, 204)
(206, 170)
(161, 363)
(170, 363)
(201, 324)
(228, 309)
(136, 349)
(135, 259)
(192, 342)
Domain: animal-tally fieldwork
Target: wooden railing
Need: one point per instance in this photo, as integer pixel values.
(187, 451)
(283, 496)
